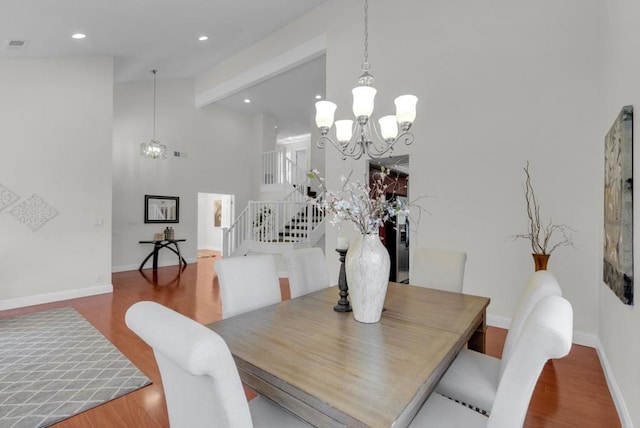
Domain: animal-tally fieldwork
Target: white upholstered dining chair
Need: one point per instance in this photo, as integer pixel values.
(307, 270)
(546, 334)
(201, 384)
(438, 268)
(473, 377)
(247, 283)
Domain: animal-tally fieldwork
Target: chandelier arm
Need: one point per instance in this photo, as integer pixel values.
(353, 148)
(407, 136)
(372, 147)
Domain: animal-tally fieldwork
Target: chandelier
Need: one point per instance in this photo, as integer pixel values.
(153, 149)
(364, 137)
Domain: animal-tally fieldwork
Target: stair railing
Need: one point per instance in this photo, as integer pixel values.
(277, 168)
(275, 221)
(272, 222)
(272, 167)
(236, 235)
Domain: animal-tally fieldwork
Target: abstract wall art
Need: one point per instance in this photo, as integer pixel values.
(618, 206)
(7, 197)
(33, 212)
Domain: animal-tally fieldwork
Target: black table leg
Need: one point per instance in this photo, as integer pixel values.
(157, 246)
(156, 249)
(145, 260)
(180, 258)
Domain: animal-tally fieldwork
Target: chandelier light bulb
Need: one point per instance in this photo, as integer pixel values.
(388, 127)
(325, 111)
(363, 97)
(344, 130)
(406, 108)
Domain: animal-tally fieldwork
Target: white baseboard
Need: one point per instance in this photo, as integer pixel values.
(124, 268)
(497, 321)
(614, 389)
(39, 299)
(579, 338)
(585, 339)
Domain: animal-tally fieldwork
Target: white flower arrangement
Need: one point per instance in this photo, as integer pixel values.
(365, 205)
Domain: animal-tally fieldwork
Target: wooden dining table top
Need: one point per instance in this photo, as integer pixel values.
(331, 370)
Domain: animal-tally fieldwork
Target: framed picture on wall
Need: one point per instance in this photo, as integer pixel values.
(618, 206)
(161, 209)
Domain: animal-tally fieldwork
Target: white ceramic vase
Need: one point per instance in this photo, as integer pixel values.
(367, 267)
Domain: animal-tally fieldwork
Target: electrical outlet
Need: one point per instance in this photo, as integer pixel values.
(101, 278)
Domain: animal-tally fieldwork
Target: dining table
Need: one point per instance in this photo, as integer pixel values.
(333, 371)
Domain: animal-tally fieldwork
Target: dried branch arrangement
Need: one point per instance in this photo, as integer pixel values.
(539, 233)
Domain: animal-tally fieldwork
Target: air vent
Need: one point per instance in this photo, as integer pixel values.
(15, 44)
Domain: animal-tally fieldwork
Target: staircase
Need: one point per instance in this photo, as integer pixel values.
(277, 226)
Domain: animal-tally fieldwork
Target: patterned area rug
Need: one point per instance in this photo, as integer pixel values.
(55, 364)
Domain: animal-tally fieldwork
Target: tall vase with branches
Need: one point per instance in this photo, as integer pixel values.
(540, 234)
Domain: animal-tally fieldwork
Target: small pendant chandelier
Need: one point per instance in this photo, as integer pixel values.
(363, 137)
(153, 149)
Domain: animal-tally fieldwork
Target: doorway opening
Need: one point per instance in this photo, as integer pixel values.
(215, 213)
(395, 232)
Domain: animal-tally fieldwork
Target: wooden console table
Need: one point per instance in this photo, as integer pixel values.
(163, 243)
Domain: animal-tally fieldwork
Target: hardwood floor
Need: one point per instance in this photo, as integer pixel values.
(571, 392)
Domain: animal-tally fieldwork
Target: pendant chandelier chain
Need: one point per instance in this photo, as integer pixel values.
(153, 149)
(366, 33)
(154, 103)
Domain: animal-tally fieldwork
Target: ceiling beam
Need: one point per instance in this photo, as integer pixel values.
(279, 64)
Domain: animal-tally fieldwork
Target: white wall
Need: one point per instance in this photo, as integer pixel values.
(217, 141)
(499, 83)
(266, 125)
(619, 327)
(55, 134)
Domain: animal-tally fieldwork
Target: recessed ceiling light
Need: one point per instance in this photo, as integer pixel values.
(318, 97)
(247, 100)
(203, 38)
(78, 36)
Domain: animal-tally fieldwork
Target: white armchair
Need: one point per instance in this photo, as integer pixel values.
(201, 384)
(473, 377)
(438, 268)
(546, 334)
(307, 270)
(247, 283)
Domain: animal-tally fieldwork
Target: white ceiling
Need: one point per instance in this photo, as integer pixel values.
(143, 35)
(289, 97)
